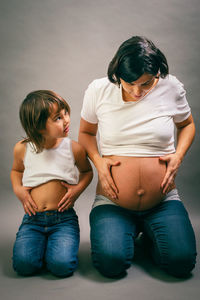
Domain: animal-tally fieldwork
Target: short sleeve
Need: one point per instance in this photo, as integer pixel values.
(182, 109)
(88, 112)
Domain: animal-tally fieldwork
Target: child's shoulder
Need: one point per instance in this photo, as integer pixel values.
(20, 148)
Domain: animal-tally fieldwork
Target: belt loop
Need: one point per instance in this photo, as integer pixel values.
(58, 216)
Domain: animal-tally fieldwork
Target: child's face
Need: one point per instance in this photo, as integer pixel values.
(57, 125)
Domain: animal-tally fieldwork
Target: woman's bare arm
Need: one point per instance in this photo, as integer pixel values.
(87, 138)
(185, 137)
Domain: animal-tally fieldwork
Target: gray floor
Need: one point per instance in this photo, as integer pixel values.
(62, 45)
(143, 281)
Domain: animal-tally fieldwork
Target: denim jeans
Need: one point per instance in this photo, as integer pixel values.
(167, 228)
(49, 239)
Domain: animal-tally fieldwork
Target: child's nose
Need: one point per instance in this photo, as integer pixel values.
(66, 119)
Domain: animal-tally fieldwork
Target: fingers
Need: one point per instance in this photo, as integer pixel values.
(64, 205)
(169, 186)
(65, 184)
(106, 179)
(163, 158)
(30, 206)
(111, 189)
(108, 184)
(116, 163)
(68, 204)
(29, 209)
(173, 163)
(168, 182)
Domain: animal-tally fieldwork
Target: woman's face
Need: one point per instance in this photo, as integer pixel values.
(136, 90)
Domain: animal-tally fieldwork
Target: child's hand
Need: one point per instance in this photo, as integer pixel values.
(70, 197)
(23, 193)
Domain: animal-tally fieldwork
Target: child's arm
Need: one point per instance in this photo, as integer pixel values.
(22, 193)
(85, 177)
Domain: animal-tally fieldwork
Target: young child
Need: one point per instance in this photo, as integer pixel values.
(49, 173)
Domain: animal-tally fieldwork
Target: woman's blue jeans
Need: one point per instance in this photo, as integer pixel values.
(49, 238)
(166, 226)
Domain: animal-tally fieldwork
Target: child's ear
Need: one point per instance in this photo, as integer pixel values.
(42, 131)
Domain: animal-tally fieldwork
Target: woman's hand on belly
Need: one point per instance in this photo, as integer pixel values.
(173, 163)
(139, 182)
(106, 181)
(69, 198)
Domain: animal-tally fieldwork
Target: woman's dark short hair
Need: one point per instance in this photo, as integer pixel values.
(137, 56)
(34, 112)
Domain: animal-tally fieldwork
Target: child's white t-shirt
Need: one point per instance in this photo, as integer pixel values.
(56, 163)
(138, 128)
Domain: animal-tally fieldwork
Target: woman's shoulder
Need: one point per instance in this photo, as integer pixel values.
(172, 84)
(101, 83)
(172, 81)
(100, 89)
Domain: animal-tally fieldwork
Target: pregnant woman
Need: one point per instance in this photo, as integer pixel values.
(134, 110)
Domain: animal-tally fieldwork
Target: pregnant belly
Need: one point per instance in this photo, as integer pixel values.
(48, 195)
(138, 180)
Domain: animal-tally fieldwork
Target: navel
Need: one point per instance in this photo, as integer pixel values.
(140, 192)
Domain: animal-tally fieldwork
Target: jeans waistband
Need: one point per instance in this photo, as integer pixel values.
(53, 212)
(50, 217)
(102, 200)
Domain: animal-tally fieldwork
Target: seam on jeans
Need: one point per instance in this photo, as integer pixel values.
(162, 262)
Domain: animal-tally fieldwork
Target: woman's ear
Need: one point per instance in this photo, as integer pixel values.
(158, 75)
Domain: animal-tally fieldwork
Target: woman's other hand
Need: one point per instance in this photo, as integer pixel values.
(104, 171)
(173, 162)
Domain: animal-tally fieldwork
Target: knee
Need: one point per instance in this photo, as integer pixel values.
(181, 264)
(112, 265)
(24, 266)
(62, 268)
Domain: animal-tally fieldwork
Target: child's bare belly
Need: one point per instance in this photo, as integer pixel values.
(48, 195)
(138, 180)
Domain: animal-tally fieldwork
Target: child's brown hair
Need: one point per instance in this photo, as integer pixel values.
(34, 112)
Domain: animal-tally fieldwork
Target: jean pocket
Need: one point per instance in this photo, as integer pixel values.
(27, 219)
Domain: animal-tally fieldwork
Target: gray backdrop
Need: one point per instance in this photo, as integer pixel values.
(63, 45)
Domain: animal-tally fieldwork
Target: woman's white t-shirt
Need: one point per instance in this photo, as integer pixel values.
(138, 128)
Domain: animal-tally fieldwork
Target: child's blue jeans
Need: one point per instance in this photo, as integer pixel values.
(49, 238)
(166, 226)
